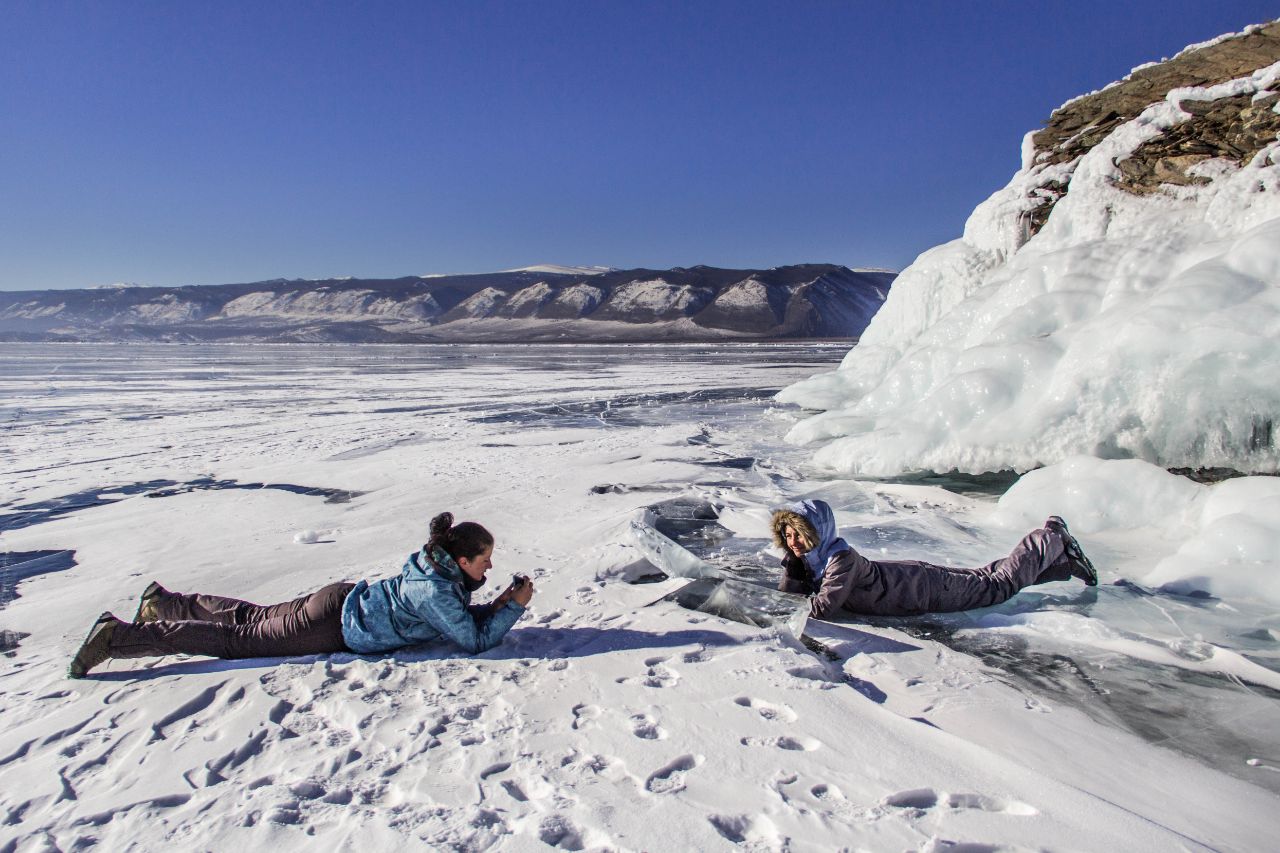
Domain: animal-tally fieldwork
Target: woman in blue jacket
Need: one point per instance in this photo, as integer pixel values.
(430, 599)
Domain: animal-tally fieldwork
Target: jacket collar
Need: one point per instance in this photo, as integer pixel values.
(439, 560)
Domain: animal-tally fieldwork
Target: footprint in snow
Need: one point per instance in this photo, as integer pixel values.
(560, 832)
(768, 710)
(670, 779)
(584, 715)
(646, 728)
(826, 793)
(746, 829)
(794, 744)
(924, 799)
(657, 674)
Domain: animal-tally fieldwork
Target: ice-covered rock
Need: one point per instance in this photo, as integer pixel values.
(1082, 313)
(1225, 537)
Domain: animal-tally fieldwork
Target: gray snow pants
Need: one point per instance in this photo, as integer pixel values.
(228, 628)
(907, 587)
(1037, 559)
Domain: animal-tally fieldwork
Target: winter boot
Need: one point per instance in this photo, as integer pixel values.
(1080, 565)
(148, 604)
(96, 646)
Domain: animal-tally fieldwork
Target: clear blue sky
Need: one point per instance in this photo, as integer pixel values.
(207, 142)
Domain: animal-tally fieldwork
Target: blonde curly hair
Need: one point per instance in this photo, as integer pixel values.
(784, 518)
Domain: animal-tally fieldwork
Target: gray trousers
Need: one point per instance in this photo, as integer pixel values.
(907, 587)
(228, 628)
(1037, 559)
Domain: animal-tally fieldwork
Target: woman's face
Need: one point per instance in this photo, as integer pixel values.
(476, 566)
(795, 542)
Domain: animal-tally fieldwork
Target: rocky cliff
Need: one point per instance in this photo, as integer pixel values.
(698, 303)
(1231, 127)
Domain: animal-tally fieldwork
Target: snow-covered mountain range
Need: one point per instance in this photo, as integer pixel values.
(543, 303)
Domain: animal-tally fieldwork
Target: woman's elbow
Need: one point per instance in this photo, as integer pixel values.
(822, 608)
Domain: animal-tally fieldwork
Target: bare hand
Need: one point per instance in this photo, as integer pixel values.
(501, 601)
(521, 595)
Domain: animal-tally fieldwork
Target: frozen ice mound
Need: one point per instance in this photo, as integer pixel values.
(1130, 326)
(1226, 535)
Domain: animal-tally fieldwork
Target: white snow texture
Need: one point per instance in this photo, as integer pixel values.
(1128, 327)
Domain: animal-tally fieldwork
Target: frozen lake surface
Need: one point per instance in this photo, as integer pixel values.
(1067, 717)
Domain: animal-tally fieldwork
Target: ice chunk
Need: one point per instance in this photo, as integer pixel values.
(715, 593)
(746, 603)
(667, 555)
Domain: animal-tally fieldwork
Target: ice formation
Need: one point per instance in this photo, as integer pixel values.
(1224, 538)
(1136, 326)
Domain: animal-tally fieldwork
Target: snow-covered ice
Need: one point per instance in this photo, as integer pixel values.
(1130, 326)
(611, 718)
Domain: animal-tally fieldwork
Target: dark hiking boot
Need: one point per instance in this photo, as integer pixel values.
(1080, 565)
(96, 646)
(149, 604)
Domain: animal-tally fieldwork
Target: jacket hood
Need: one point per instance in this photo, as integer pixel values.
(823, 520)
(438, 560)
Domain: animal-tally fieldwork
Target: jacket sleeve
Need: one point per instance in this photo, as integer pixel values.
(838, 581)
(795, 577)
(447, 613)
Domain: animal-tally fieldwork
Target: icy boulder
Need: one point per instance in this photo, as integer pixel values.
(1120, 298)
(1225, 537)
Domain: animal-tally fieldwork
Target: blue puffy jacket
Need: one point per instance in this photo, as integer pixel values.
(425, 602)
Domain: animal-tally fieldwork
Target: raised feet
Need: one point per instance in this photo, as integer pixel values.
(1080, 565)
(148, 604)
(96, 646)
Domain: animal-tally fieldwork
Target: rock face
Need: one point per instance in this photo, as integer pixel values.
(699, 303)
(1233, 128)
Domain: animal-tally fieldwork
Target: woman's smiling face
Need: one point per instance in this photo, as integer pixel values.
(795, 542)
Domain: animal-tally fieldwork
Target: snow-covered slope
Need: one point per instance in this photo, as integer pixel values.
(1119, 298)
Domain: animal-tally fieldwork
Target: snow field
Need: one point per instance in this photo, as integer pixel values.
(605, 721)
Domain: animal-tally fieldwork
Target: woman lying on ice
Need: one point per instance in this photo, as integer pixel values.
(429, 599)
(820, 564)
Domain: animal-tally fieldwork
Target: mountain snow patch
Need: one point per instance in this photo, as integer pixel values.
(745, 294)
(480, 304)
(326, 303)
(658, 297)
(581, 298)
(525, 302)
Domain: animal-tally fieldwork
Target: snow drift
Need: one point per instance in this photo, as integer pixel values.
(1119, 298)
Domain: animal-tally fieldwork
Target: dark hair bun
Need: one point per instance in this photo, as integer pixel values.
(440, 525)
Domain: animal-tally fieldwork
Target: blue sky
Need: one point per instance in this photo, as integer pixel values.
(209, 142)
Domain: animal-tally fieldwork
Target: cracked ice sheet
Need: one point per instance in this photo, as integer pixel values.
(600, 723)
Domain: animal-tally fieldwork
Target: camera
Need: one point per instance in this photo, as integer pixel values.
(518, 581)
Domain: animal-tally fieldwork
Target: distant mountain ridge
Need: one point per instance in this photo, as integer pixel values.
(695, 303)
